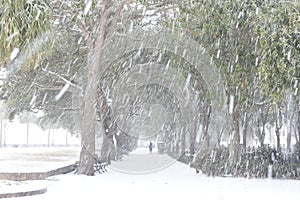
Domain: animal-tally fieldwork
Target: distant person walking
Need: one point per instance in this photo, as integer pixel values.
(150, 147)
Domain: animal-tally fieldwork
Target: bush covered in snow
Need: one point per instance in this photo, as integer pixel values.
(253, 163)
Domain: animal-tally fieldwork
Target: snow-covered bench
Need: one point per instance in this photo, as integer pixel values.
(100, 166)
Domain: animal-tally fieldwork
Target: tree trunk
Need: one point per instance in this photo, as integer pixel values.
(262, 136)
(192, 142)
(109, 126)
(49, 137)
(289, 139)
(4, 134)
(298, 120)
(277, 137)
(106, 150)
(262, 118)
(27, 133)
(220, 134)
(278, 125)
(206, 121)
(1, 127)
(88, 121)
(67, 138)
(235, 137)
(289, 118)
(88, 114)
(182, 142)
(53, 136)
(177, 141)
(245, 129)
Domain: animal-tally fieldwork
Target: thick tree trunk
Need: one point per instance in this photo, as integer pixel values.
(107, 150)
(109, 125)
(88, 113)
(235, 137)
(88, 123)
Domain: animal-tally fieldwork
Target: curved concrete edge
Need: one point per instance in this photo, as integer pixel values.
(24, 176)
(33, 176)
(23, 194)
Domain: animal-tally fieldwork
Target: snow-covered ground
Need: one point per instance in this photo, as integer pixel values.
(174, 181)
(37, 159)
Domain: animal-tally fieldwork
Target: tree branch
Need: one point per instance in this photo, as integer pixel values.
(117, 16)
(85, 33)
(64, 79)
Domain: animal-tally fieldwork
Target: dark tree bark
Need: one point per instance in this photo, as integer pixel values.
(192, 142)
(235, 138)
(290, 112)
(278, 125)
(182, 141)
(109, 125)
(205, 125)
(277, 131)
(245, 130)
(261, 120)
(262, 135)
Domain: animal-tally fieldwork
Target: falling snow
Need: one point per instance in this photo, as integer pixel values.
(171, 75)
(14, 54)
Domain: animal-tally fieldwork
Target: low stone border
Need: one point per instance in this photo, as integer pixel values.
(23, 176)
(22, 194)
(33, 176)
(62, 170)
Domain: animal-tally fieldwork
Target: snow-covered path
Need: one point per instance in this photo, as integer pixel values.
(173, 181)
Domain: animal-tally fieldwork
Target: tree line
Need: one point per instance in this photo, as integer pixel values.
(53, 49)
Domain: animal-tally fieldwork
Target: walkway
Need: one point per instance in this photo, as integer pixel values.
(169, 180)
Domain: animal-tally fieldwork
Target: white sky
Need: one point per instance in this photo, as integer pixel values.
(15, 133)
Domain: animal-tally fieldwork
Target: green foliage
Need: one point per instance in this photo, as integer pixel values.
(255, 44)
(278, 33)
(224, 29)
(35, 89)
(21, 22)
